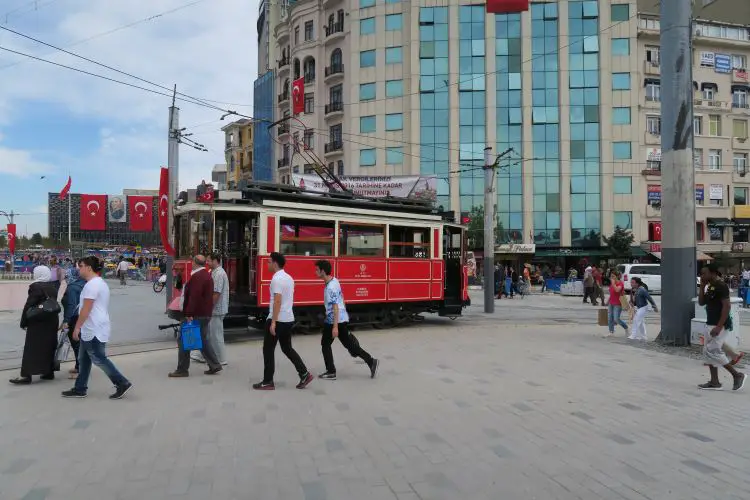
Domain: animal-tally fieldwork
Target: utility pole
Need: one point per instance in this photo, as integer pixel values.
(678, 172)
(489, 231)
(173, 163)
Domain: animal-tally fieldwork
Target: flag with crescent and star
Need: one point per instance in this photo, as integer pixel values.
(12, 238)
(298, 96)
(66, 189)
(93, 212)
(140, 213)
(164, 211)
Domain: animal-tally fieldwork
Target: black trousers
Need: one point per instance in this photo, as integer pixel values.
(183, 356)
(284, 337)
(75, 344)
(347, 340)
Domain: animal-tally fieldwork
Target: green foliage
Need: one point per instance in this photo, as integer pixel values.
(619, 242)
(476, 229)
(36, 239)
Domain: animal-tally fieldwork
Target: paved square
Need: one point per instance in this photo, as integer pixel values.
(471, 409)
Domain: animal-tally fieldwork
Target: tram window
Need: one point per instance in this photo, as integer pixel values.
(307, 237)
(361, 240)
(409, 242)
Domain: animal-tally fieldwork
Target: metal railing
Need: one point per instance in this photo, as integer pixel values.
(333, 146)
(334, 28)
(334, 107)
(334, 69)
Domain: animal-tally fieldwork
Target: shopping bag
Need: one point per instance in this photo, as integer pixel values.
(625, 303)
(603, 317)
(190, 332)
(63, 347)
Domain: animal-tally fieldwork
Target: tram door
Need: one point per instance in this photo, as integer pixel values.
(452, 239)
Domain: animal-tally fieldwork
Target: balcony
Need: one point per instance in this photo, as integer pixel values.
(283, 162)
(652, 170)
(652, 138)
(334, 109)
(741, 105)
(334, 31)
(333, 147)
(283, 97)
(651, 68)
(283, 130)
(714, 105)
(653, 102)
(284, 65)
(334, 72)
(742, 143)
(309, 78)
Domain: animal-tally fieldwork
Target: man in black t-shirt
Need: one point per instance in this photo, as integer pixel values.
(714, 294)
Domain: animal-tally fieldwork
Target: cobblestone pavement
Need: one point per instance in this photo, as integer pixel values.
(463, 409)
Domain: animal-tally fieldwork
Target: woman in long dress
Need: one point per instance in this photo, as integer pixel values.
(41, 334)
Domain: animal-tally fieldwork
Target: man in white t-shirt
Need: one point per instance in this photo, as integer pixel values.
(279, 326)
(122, 270)
(93, 329)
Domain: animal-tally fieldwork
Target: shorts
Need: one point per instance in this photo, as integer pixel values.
(712, 352)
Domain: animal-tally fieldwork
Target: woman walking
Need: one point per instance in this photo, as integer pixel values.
(70, 300)
(640, 298)
(57, 274)
(41, 331)
(614, 305)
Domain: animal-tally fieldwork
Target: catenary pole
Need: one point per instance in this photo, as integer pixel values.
(173, 164)
(678, 173)
(489, 232)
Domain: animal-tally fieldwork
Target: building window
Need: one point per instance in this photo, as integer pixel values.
(653, 56)
(620, 46)
(619, 12)
(708, 93)
(307, 168)
(394, 88)
(340, 169)
(394, 121)
(620, 116)
(367, 59)
(335, 94)
(308, 31)
(739, 161)
(623, 220)
(367, 124)
(394, 156)
(653, 125)
(700, 233)
(653, 92)
(367, 26)
(392, 1)
(739, 98)
(309, 103)
(367, 157)
(393, 22)
(309, 139)
(367, 91)
(740, 196)
(716, 233)
(714, 125)
(623, 185)
(739, 129)
(393, 55)
(739, 61)
(714, 159)
(296, 35)
(335, 134)
(698, 125)
(621, 151)
(620, 81)
(698, 158)
(363, 4)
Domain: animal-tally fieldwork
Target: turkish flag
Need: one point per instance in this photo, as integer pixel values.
(12, 238)
(93, 212)
(298, 96)
(66, 189)
(164, 211)
(140, 213)
(507, 6)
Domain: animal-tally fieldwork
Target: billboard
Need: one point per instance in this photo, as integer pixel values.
(117, 208)
(375, 186)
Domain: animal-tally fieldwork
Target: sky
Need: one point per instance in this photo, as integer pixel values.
(55, 122)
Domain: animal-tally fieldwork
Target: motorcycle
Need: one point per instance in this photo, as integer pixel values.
(160, 283)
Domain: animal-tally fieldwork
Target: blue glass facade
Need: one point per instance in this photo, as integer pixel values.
(545, 123)
(509, 126)
(263, 100)
(585, 181)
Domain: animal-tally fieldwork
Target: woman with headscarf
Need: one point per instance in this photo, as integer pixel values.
(41, 334)
(70, 300)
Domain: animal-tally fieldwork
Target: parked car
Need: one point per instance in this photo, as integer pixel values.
(650, 274)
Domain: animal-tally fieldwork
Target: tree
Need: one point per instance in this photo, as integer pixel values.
(592, 239)
(476, 229)
(3, 242)
(36, 239)
(619, 242)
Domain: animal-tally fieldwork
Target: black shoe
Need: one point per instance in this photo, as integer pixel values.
(73, 394)
(709, 386)
(213, 371)
(49, 376)
(178, 374)
(305, 381)
(120, 391)
(374, 368)
(20, 380)
(264, 386)
(328, 376)
(739, 382)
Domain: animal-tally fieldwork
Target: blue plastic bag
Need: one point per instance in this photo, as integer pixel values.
(190, 332)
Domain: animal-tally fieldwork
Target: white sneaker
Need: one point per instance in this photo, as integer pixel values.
(197, 357)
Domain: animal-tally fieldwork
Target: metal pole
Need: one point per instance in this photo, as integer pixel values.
(173, 161)
(489, 232)
(70, 226)
(678, 173)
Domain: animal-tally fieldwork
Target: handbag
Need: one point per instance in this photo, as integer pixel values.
(63, 348)
(625, 303)
(190, 333)
(46, 309)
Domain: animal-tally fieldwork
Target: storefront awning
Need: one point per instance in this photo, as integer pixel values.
(719, 222)
(741, 87)
(709, 85)
(698, 255)
(651, 81)
(740, 222)
(572, 252)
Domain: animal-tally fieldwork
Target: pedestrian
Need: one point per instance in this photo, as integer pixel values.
(221, 308)
(336, 324)
(41, 331)
(513, 282)
(279, 326)
(588, 286)
(93, 331)
(122, 270)
(198, 304)
(70, 300)
(640, 299)
(714, 294)
(598, 283)
(614, 306)
(745, 283)
(57, 274)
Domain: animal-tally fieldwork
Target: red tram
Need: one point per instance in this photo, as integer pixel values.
(395, 258)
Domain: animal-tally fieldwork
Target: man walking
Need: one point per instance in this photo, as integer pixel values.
(93, 329)
(198, 304)
(221, 308)
(122, 270)
(714, 294)
(279, 327)
(337, 324)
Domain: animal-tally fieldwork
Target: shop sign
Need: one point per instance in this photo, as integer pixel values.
(707, 59)
(716, 192)
(699, 192)
(742, 211)
(738, 247)
(516, 248)
(654, 247)
(654, 193)
(722, 63)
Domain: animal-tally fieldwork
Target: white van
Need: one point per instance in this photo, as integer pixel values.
(650, 274)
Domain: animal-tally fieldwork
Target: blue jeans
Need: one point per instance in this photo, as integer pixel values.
(93, 352)
(614, 317)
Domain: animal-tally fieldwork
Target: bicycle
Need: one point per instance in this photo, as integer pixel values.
(523, 288)
(159, 284)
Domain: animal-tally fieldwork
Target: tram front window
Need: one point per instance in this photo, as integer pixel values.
(307, 237)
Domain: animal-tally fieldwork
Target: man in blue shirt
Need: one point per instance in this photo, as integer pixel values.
(337, 324)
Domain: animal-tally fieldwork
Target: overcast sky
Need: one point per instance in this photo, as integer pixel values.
(55, 122)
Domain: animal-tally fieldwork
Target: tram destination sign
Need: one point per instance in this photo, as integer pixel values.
(375, 186)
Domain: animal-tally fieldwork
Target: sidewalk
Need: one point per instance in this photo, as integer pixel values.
(460, 410)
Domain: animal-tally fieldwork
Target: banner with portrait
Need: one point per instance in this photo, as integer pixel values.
(117, 208)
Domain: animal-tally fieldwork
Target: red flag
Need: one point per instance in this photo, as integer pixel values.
(164, 211)
(93, 212)
(298, 96)
(507, 6)
(66, 189)
(12, 238)
(208, 195)
(140, 214)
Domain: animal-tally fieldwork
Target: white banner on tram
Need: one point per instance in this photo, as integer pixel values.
(375, 186)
